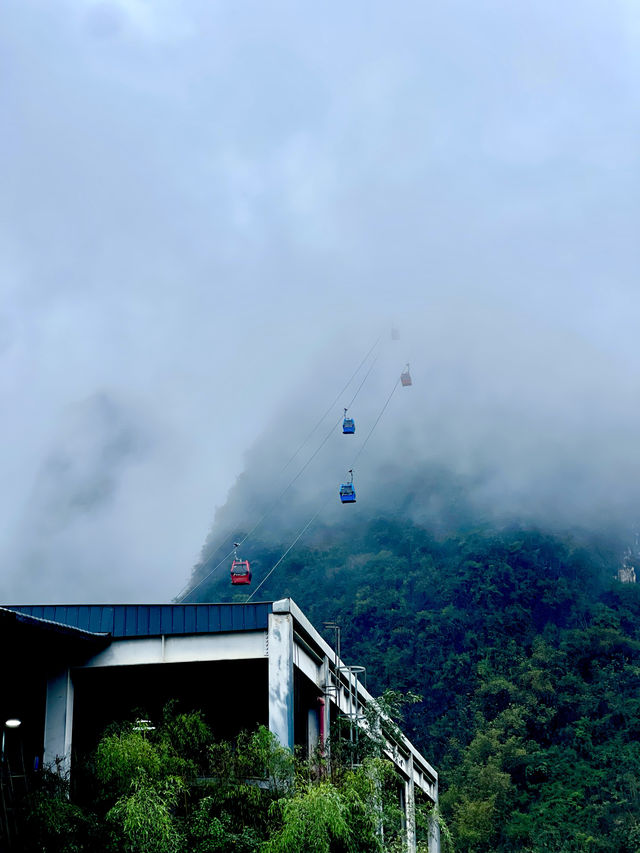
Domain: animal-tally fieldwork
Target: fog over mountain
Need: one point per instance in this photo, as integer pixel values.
(502, 424)
(211, 211)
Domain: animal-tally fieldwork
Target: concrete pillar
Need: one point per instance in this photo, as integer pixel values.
(434, 834)
(325, 709)
(58, 722)
(280, 639)
(313, 730)
(410, 808)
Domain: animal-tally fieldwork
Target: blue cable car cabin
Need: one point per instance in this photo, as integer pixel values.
(347, 492)
(348, 425)
(240, 572)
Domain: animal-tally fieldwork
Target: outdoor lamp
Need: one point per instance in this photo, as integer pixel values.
(12, 723)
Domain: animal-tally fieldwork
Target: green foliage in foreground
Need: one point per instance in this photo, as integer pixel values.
(175, 790)
(526, 651)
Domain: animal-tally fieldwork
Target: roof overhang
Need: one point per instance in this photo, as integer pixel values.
(42, 640)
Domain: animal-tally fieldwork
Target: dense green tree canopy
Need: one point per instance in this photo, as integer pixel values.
(526, 651)
(174, 789)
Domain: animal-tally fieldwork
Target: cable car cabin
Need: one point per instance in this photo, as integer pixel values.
(240, 572)
(347, 493)
(348, 426)
(405, 377)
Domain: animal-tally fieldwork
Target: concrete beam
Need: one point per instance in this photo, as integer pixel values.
(245, 645)
(306, 664)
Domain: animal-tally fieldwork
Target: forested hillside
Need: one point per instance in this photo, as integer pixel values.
(524, 647)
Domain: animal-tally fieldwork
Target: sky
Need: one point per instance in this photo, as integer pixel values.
(209, 210)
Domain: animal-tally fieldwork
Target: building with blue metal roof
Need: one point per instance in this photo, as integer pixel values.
(70, 670)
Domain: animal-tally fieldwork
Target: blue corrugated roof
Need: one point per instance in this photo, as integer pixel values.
(146, 620)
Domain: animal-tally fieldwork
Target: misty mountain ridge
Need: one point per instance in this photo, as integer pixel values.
(545, 438)
(430, 498)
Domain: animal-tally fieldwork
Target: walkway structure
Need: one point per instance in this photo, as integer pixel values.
(77, 668)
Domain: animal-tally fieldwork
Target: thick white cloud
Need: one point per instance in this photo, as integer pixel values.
(197, 198)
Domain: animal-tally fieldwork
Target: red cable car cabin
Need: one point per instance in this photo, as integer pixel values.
(240, 572)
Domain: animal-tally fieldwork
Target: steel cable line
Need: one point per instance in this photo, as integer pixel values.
(271, 508)
(274, 504)
(304, 529)
(187, 590)
(333, 403)
(366, 376)
(364, 443)
(313, 456)
(317, 513)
